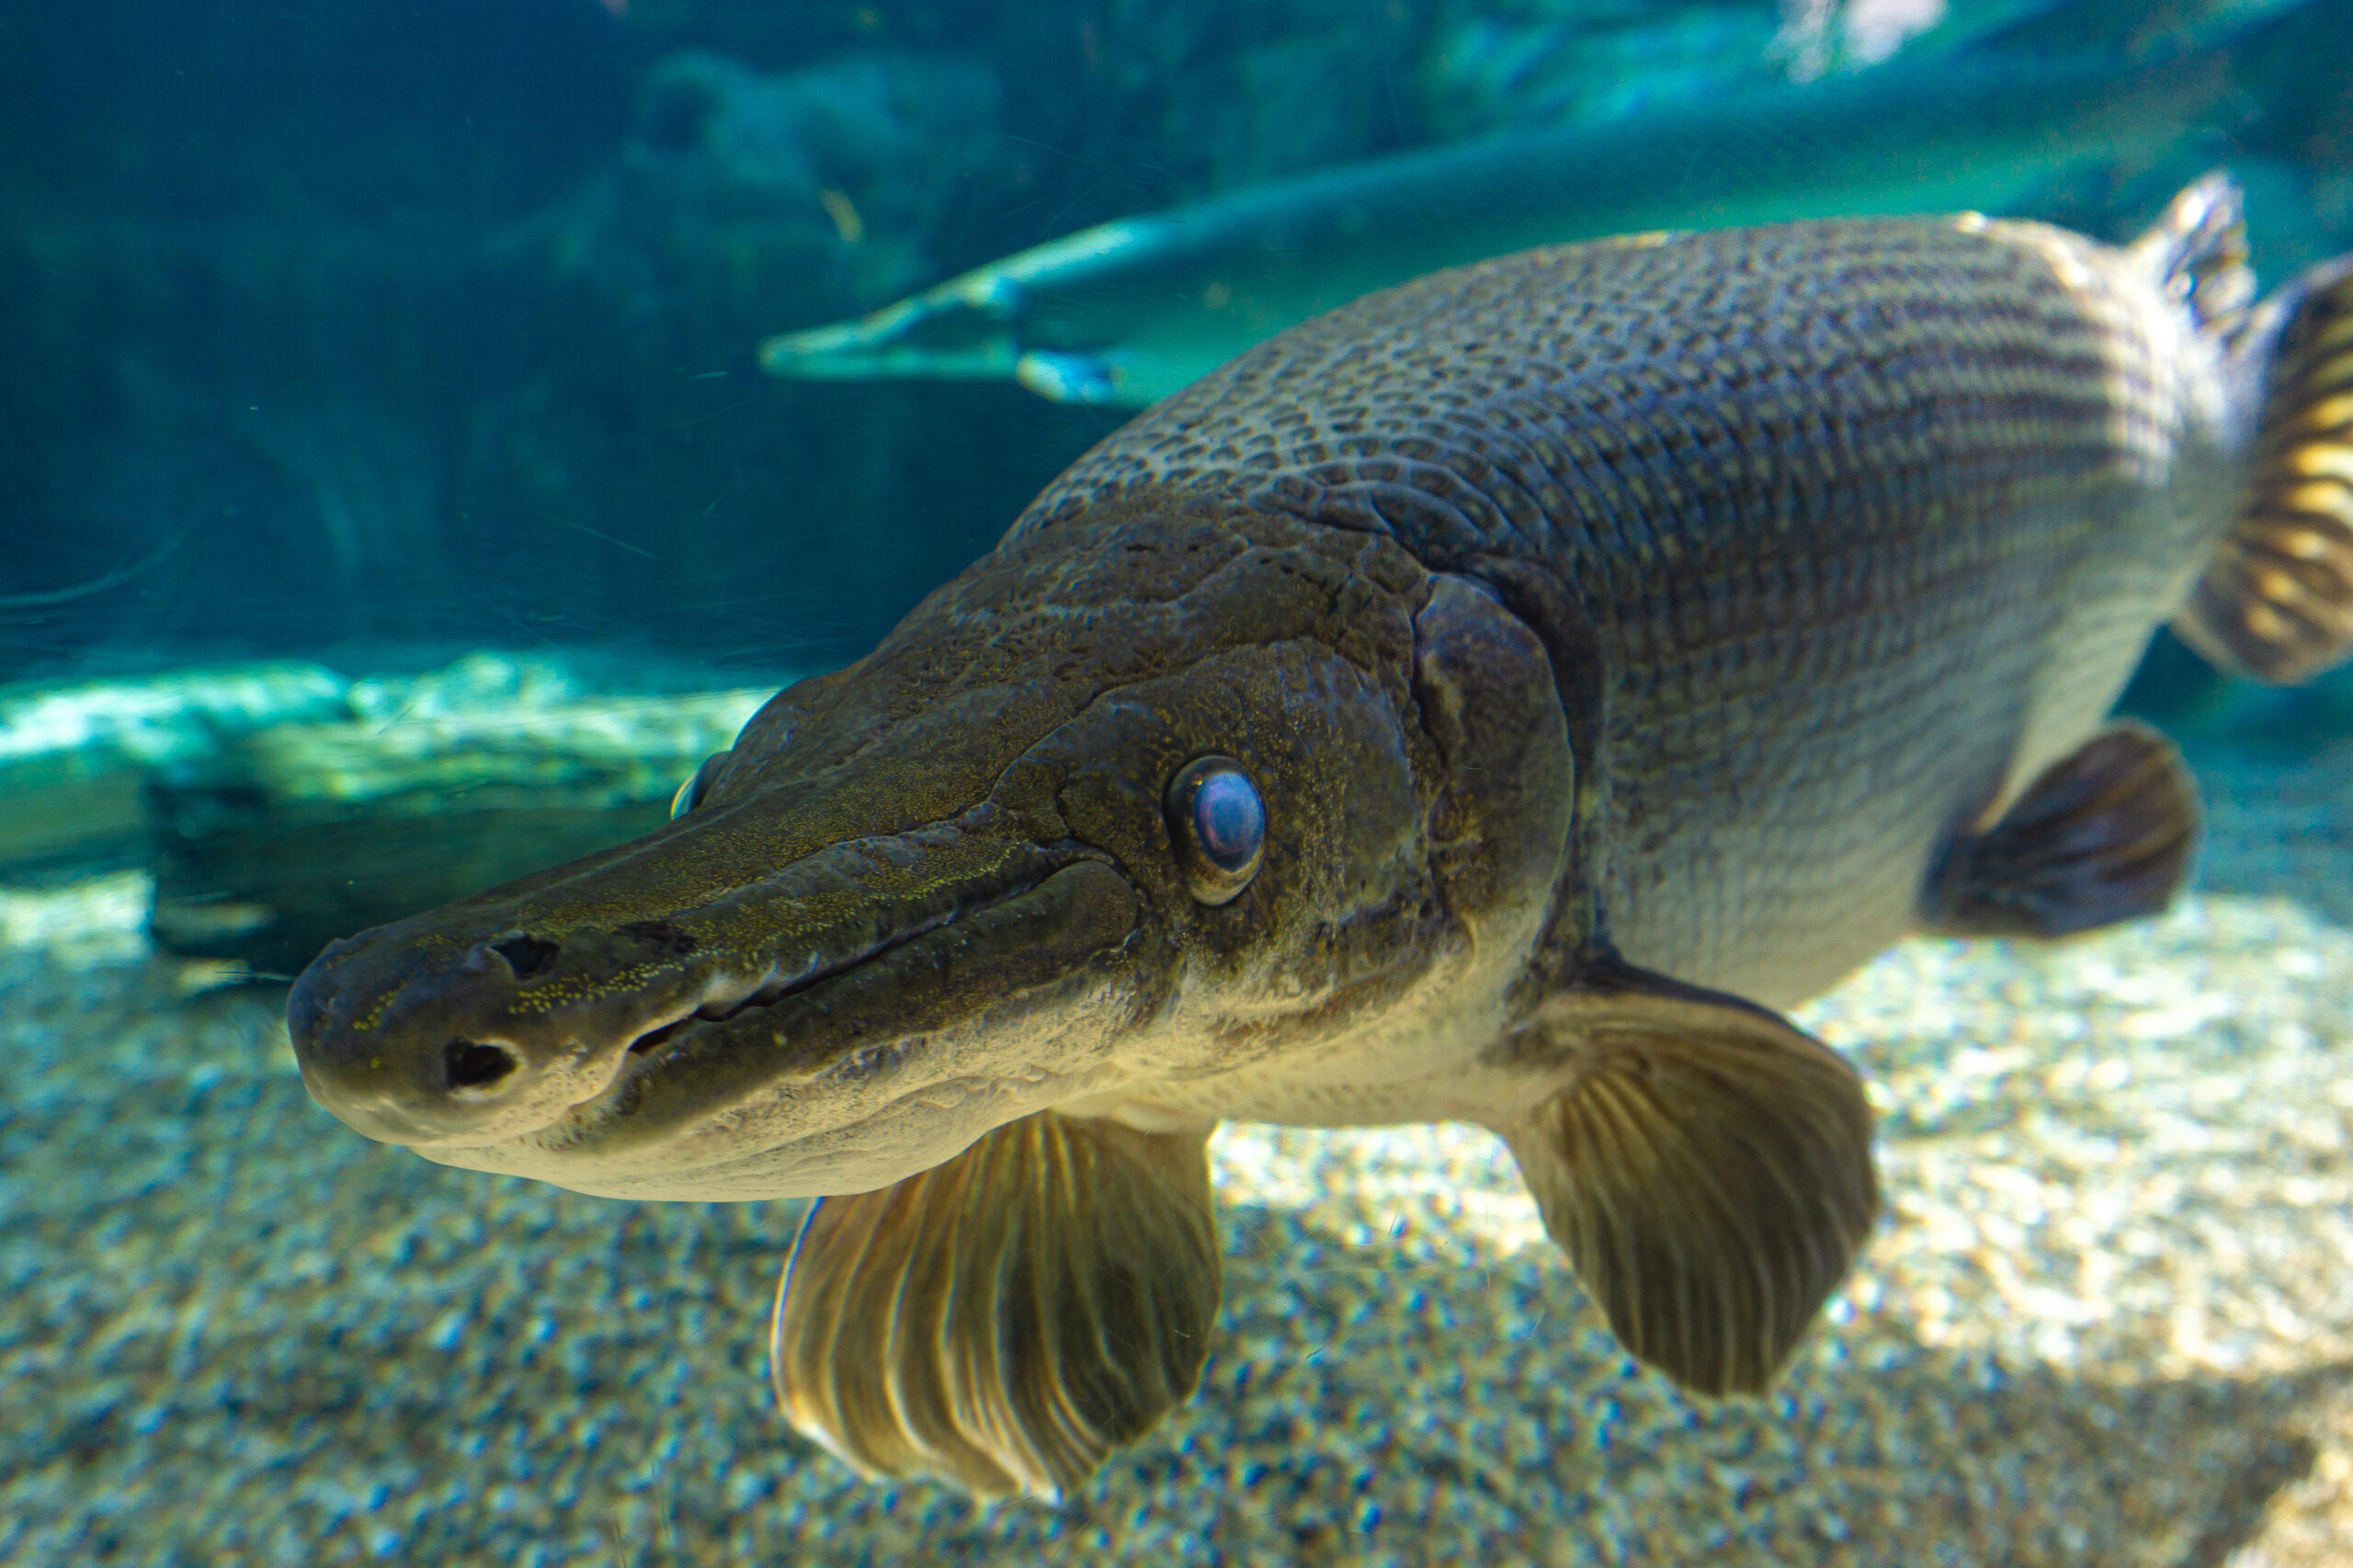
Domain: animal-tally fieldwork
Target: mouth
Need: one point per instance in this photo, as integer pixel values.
(840, 1037)
(920, 973)
(682, 1035)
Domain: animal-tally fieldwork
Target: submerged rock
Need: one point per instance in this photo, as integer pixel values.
(278, 842)
(73, 754)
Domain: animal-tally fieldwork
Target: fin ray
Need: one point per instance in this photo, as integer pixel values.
(1708, 1168)
(2277, 602)
(1007, 1318)
(2198, 251)
(2103, 836)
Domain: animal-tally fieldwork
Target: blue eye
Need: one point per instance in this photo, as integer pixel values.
(1218, 823)
(1229, 819)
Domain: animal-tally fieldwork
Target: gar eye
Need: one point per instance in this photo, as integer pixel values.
(697, 784)
(1219, 825)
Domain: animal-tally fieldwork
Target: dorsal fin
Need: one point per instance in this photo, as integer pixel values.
(2197, 251)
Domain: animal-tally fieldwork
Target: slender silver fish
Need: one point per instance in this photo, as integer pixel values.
(1128, 311)
(1495, 701)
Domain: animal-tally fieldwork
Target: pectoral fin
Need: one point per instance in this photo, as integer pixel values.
(1706, 1166)
(2103, 836)
(1008, 1318)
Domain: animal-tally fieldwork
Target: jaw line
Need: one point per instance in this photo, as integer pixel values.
(646, 1055)
(882, 1063)
(722, 998)
(615, 1127)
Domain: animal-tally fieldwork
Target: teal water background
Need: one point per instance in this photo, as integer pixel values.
(409, 347)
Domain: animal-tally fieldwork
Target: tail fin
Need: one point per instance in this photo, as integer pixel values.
(2277, 601)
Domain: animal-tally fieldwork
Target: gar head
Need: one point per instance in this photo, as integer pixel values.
(1172, 791)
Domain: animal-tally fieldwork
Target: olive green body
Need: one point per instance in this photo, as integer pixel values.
(1671, 600)
(1860, 524)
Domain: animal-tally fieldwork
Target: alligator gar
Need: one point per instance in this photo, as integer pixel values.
(1131, 311)
(1496, 700)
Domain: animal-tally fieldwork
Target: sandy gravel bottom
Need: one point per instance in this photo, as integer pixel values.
(2109, 1319)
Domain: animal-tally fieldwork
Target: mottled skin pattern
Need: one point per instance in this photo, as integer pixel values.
(1833, 534)
(1023, 721)
(1870, 522)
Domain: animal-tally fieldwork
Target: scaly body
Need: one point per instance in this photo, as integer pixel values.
(1870, 523)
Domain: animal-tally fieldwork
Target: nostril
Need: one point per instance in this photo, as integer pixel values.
(471, 1065)
(528, 957)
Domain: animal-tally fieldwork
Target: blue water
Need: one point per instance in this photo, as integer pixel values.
(409, 325)
(375, 335)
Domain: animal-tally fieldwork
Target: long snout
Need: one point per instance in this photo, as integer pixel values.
(589, 1022)
(474, 1024)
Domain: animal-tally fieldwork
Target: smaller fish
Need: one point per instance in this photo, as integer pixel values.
(1128, 311)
